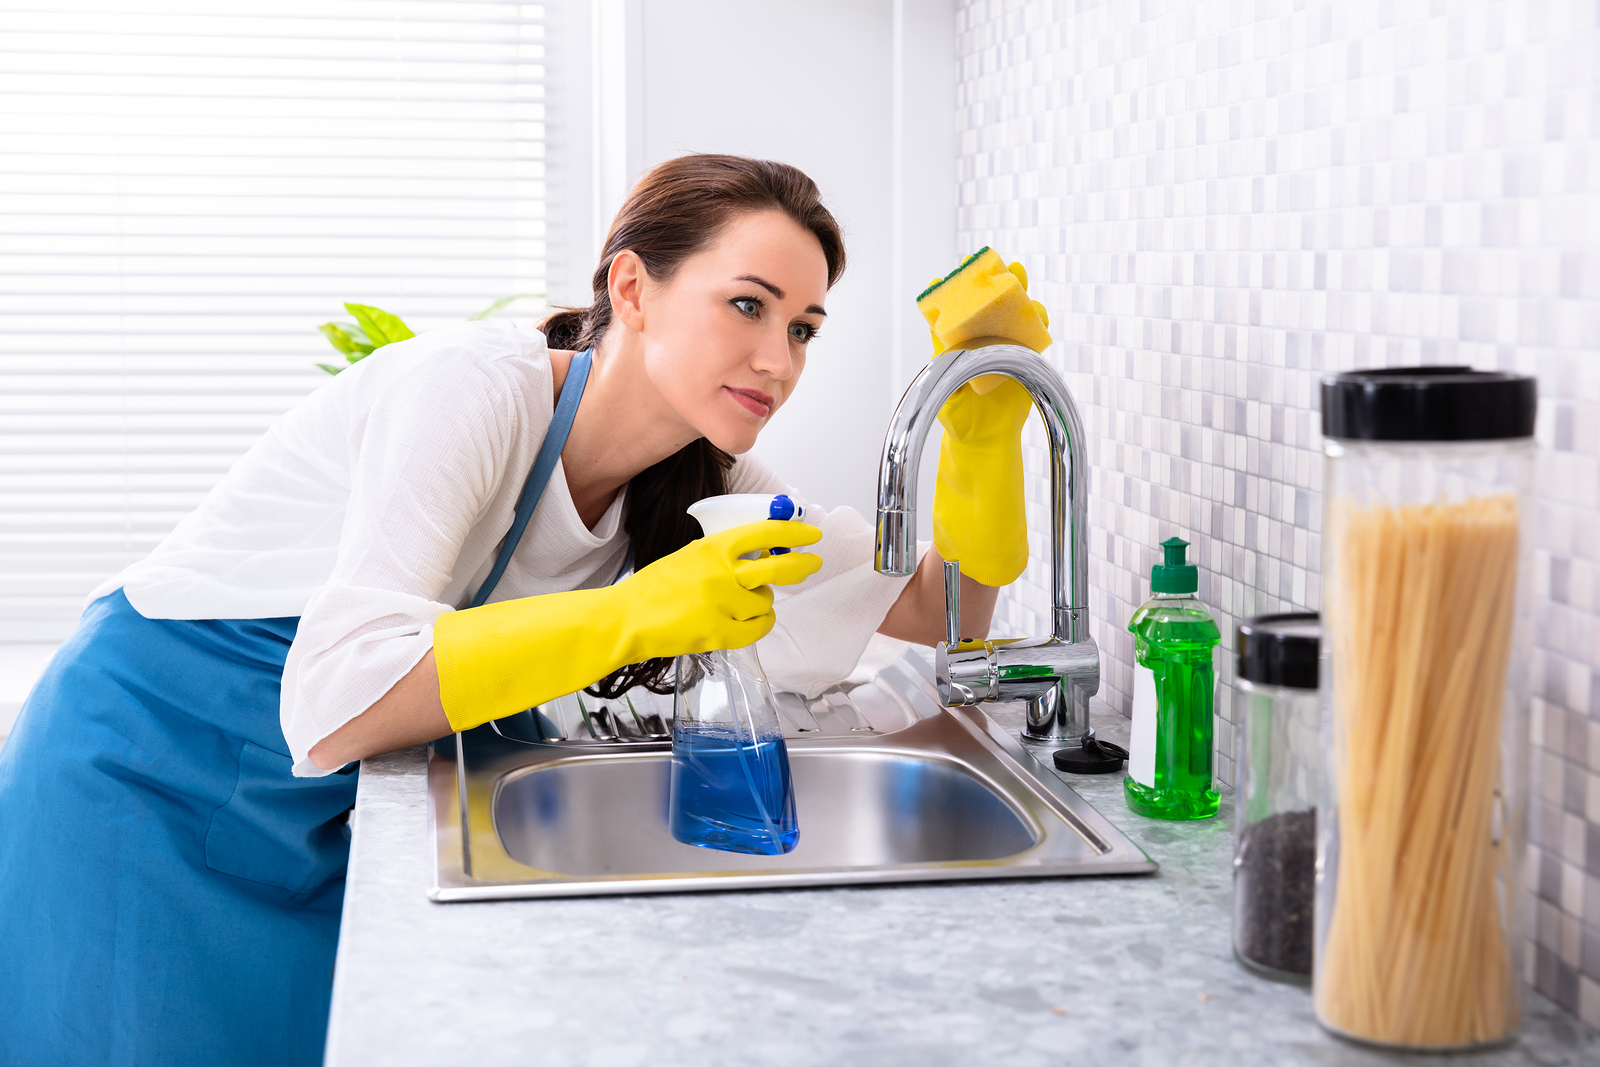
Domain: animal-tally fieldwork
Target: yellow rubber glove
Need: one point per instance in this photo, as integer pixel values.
(499, 659)
(978, 512)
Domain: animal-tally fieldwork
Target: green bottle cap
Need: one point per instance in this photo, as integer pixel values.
(1174, 575)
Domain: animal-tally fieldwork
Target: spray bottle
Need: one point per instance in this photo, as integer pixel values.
(731, 788)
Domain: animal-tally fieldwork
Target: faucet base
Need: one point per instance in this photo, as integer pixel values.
(1059, 714)
(1061, 743)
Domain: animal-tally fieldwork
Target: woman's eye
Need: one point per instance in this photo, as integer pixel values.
(803, 332)
(748, 304)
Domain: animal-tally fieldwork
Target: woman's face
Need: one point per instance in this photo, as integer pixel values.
(725, 338)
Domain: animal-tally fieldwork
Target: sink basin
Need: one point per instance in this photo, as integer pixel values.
(889, 787)
(862, 808)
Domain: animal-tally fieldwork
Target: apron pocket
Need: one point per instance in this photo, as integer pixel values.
(280, 830)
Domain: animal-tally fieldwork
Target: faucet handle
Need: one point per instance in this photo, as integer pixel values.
(952, 603)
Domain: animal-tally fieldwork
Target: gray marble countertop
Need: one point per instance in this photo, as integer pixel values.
(1093, 970)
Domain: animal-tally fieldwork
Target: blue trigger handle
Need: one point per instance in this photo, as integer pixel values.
(782, 509)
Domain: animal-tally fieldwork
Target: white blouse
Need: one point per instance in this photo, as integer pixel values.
(380, 502)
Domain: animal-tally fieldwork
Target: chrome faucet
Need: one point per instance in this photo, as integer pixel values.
(1054, 675)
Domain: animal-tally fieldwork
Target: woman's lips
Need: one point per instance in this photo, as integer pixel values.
(752, 400)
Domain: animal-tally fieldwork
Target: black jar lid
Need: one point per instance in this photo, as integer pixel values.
(1428, 404)
(1280, 649)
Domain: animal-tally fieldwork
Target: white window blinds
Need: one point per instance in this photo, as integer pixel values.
(188, 188)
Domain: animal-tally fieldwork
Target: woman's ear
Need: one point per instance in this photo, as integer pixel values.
(626, 284)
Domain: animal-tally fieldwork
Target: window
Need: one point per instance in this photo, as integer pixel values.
(188, 188)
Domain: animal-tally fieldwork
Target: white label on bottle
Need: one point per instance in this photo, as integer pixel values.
(1142, 745)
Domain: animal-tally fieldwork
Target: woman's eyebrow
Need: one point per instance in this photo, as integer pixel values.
(768, 286)
(775, 291)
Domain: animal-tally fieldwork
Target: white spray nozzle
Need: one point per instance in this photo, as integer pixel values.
(718, 513)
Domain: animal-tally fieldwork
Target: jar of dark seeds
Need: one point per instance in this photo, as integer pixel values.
(1275, 849)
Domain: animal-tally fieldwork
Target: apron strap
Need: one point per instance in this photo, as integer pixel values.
(544, 465)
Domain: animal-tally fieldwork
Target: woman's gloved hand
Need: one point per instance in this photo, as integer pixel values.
(978, 512)
(499, 659)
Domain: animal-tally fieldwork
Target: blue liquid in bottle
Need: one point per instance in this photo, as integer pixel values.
(731, 792)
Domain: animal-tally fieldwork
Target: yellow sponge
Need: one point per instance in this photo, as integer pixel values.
(984, 300)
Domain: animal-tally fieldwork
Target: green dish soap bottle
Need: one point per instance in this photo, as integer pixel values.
(1169, 756)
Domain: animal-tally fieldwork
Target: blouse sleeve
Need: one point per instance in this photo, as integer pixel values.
(425, 460)
(826, 623)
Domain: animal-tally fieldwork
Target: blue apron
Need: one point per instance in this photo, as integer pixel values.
(169, 893)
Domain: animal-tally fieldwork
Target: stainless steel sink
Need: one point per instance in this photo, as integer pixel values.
(889, 787)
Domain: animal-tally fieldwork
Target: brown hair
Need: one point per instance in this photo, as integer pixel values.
(678, 209)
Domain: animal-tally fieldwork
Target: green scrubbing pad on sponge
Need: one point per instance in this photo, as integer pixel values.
(985, 301)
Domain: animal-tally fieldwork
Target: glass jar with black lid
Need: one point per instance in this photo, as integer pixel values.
(1276, 789)
(1427, 480)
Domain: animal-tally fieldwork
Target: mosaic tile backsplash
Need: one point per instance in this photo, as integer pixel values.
(1222, 201)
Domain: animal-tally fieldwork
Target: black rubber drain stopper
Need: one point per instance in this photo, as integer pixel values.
(1095, 757)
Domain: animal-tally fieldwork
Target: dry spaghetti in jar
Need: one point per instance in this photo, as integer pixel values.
(1427, 480)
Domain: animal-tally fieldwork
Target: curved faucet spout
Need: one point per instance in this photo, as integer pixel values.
(1069, 472)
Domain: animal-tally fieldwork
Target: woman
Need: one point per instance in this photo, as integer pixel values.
(172, 800)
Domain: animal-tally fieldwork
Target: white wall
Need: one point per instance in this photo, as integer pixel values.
(813, 84)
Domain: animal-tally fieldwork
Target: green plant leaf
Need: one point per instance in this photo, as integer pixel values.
(348, 338)
(380, 327)
(503, 302)
(330, 368)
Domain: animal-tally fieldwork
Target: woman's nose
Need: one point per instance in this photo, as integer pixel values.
(773, 357)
